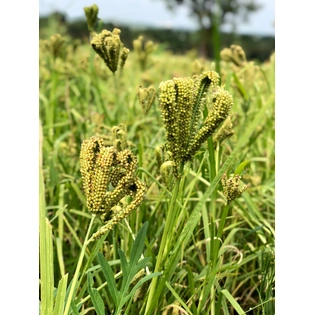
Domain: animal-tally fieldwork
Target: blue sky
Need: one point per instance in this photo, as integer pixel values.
(155, 13)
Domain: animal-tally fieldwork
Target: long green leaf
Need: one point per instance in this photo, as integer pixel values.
(142, 263)
(95, 297)
(74, 308)
(241, 167)
(125, 268)
(131, 269)
(61, 294)
(138, 245)
(143, 280)
(109, 275)
(234, 303)
(182, 303)
(97, 302)
(46, 253)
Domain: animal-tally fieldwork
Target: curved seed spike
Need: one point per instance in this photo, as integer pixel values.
(207, 80)
(224, 132)
(123, 56)
(182, 101)
(138, 190)
(223, 102)
(102, 166)
(146, 97)
(234, 54)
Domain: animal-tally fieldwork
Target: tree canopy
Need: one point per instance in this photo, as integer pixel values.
(211, 14)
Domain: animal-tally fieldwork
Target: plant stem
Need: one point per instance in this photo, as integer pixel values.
(169, 224)
(209, 287)
(52, 104)
(213, 172)
(76, 274)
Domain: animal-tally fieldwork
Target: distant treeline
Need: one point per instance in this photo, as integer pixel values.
(178, 41)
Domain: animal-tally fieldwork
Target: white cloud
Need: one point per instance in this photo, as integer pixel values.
(154, 12)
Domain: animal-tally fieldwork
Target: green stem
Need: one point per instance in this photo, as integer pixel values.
(76, 274)
(52, 104)
(213, 173)
(169, 224)
(208, 285)
(220, 230)
(59, 240)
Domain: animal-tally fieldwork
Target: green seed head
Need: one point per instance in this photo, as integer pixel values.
(137, 44)
(198, 66)
(168, 170)
(234, 54)
(119, 134)
(91, 16)
(160, 154)
(110, 48)
(146, 97)
(123, 57)
(143, 50)
(55, 45)
(224, 132)
(182, 101)
(104, 167)
(231, 187)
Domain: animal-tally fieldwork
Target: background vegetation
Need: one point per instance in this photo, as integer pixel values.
(177, 41)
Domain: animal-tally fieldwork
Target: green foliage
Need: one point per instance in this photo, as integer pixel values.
(129, 271)
(212, 258)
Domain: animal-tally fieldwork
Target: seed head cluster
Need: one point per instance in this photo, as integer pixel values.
(108, 176)
(231, 187)
(110, 48)
(143, 50)
(146, 97)
(119, 137)
(182, 101)
(91, 16)
(234, 54)
(55, 45)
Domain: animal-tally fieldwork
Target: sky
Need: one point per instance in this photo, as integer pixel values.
(155, 13)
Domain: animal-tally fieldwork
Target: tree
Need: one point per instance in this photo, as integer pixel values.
(211, 14)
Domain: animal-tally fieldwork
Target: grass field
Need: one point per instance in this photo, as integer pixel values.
(185, 249)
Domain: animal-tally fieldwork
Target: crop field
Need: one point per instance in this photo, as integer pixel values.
(157, 179)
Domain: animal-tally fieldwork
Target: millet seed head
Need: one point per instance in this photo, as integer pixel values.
(110, 48)
(91, 13)
(102, 166)
(231, 187)
(182, 101)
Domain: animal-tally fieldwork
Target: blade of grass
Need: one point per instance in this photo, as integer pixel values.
(61, 294)
(182, 303)
(46, 253)
(95, 297)
(234, 303)
(109, 275)
(59, 240)
(76, 274)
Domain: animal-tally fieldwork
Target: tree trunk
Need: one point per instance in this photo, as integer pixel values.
(206, 42)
